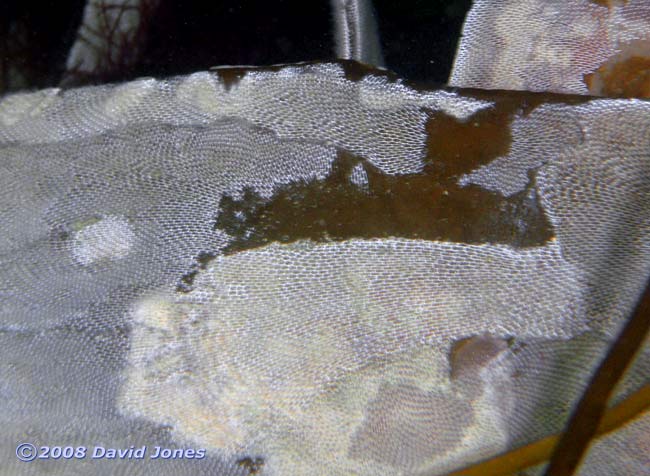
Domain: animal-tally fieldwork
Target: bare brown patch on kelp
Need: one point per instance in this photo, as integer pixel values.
(626, 74)
(468, 356)
(610, 3)
(429, 205)
(252, 465)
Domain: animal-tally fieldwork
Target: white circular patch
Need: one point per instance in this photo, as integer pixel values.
(109, 238)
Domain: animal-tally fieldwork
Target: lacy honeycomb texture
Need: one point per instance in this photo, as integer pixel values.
(316, 268)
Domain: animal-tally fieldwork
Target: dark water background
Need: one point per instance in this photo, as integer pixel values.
(418, 37)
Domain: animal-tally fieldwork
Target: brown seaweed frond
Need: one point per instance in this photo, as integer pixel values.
(539, 451)
(591, 417)
(586, 418)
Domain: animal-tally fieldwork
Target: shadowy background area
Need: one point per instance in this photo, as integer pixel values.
(35, 36)
(419, 37)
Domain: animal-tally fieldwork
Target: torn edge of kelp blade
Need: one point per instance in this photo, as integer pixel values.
(591, 418)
